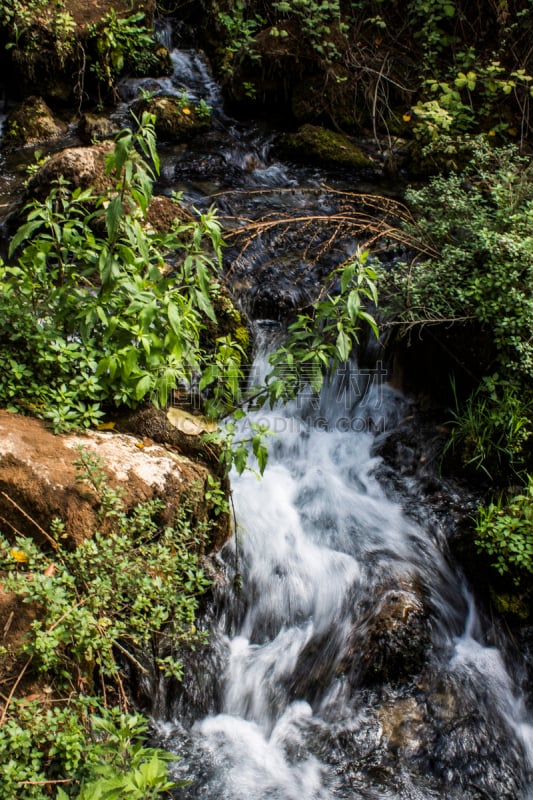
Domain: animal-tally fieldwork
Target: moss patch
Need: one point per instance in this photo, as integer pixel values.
(176, 118)
(325, 146)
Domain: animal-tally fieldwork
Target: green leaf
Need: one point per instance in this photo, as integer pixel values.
(209, 375)
(343, 345)
(143, 387)
(240, 458)
(114, 213)
(353, 305)
(371, 321)
(316, 381)
(260, 452)
(174, 318)
(204, 304)
(24, 232)
(123, 145)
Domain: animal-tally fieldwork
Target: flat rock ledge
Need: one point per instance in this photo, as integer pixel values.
(39, 480)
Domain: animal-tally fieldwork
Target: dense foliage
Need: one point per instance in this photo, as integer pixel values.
(99, 311)
(429, 68)
(92, 317)
(54, 34)
(477, 225)
(128, 593)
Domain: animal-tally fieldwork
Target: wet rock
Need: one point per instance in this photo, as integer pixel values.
(398, 636)
(82, 167)
(176, 118)
(31, 122)
(472, 747)
(404, 725)
(314, 143)
(392, 635)
(96, 127)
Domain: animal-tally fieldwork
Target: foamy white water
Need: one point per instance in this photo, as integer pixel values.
(322, 548)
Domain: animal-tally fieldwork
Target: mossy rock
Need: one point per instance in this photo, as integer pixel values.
(230, 321)
(176, 118)
(82, 167)
(312, 142)
(31, 122)
(97, 127)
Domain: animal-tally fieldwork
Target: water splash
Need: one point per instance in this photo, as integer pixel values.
(311, 706)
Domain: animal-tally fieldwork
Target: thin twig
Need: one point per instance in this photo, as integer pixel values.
(13, 690)
(45, 783)
(30, 519)
(130, 656)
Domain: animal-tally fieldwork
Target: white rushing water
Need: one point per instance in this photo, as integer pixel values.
(353, 664)
(322, 551)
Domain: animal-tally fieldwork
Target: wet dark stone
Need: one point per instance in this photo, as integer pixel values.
(396, 637)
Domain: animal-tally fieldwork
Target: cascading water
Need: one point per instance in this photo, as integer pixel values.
(352, 664)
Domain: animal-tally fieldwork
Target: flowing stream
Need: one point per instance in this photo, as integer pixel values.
(346, 657)
(352, 663)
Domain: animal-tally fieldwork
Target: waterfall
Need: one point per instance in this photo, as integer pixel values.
(319, 699)
(353, 664)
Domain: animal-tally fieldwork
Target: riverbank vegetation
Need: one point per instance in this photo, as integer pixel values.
(429, 69)
(478, 221)
(99, 311)
(125, 598)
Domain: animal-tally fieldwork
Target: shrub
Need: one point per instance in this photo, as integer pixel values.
(129, 592)
(504, 530)
(92, 317)
(476, 227)
(87, 751)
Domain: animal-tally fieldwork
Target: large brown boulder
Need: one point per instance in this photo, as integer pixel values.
(39, 480)
(82, 167)
(30, 123)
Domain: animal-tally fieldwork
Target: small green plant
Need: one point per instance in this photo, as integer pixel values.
(93, 321)
(324, 336)
(317, 20)
(201, 109)
(469, 99)
(87, 751)
(239, 30)
(121, 41)
(29, 23)
(504, 530)
(491, 429)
